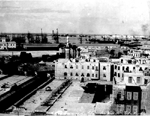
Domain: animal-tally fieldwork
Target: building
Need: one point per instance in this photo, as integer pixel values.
(135, 53)
(77, 68)
(11, 45)
(145, 48)
(129, 85)
(106, 71)
(7, 45)
(93, 47)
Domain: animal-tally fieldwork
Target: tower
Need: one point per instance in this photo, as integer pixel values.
(67, 49)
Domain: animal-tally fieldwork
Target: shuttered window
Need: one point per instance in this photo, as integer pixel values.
(135, 109)
(129, 95)
(135, 95)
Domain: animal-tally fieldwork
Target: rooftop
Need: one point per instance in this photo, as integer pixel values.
(1, 76)
(10, 81)
(102, 44)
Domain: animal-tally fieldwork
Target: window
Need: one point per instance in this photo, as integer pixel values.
(88, 67)
(146, 68)
(140, 69)
(118, 67)
(128, 109)
(115, 67)
(144, 61)
(96, 68)
(118, 74)
(135, 109)
(122, 95)
(121, 109)
(115, 74)
(145, 81)
(138, 79)
(104, 68)
(121, 60)
(65, 74)
(130, 80)
(129, 95)
(65, 66)
(71, 74)
(118, 109)
(93, 67)
(123, 68)
(96, 75)
(82, 75)
(92, 75)
(122, 75)
(127, 69)
(71, 66)
(104, 75)
(135, 95)
(77, 74)
(82, 67)
(133, 68)
(88, 75)
(144, 95)
(76, 66)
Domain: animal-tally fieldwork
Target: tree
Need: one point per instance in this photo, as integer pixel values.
(44, 38)
(80, 38)
(37, 39)
(30, 38)
(112, 52)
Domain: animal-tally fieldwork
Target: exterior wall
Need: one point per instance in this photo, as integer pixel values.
(126, 100)
(5, 45)
(77, 70)
(11, 44)
(99, 47)
(105, 71)
(131, 74)
(135, 81)
(120, 70)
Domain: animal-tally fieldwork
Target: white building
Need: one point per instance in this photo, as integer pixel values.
(77, 68)
(7, 45)
(131, 76)
(106, 71)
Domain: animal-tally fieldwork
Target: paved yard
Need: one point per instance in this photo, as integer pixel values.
(69, 103)
(32, 103)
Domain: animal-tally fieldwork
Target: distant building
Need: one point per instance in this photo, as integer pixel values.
(135, 53)
(7, 45)
(11, 44)
(93, 47)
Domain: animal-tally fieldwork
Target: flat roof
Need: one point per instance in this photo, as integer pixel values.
(1, 76)
(41, 45)
(101, 44)
(10, 80)
(32, 103)
(100, 82)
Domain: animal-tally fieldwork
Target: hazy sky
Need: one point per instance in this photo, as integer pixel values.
(75, 16)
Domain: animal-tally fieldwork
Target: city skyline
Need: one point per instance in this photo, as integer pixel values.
(70, 16)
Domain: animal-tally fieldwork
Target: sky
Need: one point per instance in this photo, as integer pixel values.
(75, 16)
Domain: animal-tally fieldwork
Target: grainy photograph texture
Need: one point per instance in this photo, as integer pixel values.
(74, 57)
